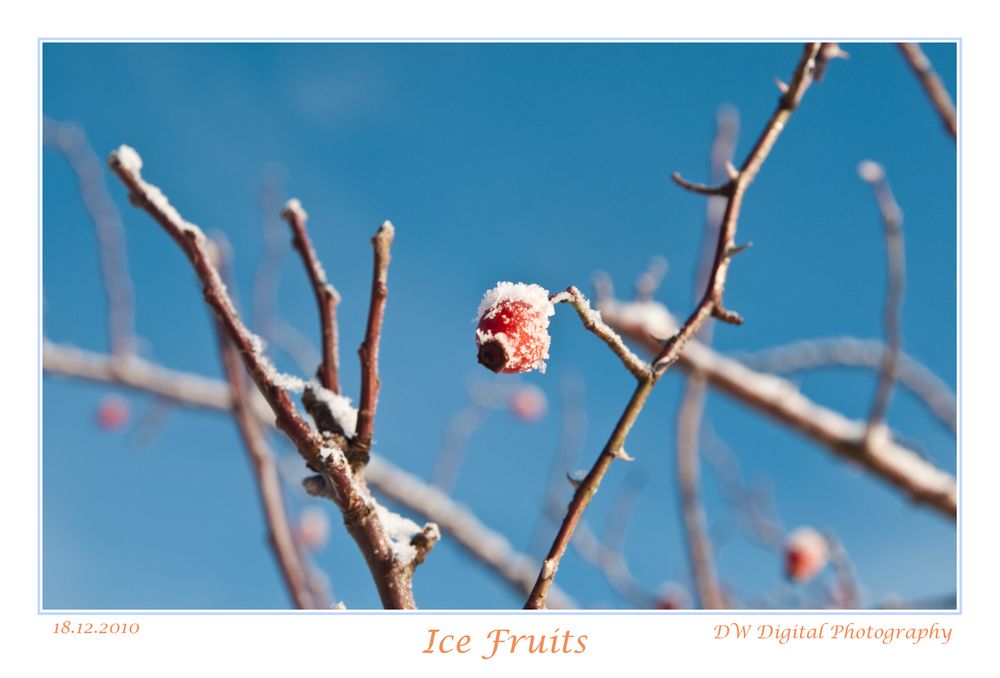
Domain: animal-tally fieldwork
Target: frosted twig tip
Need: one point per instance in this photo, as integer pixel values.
(125, 157)
(293, 208)
(871, 171)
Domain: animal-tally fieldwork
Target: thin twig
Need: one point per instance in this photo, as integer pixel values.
(811, 354)
(483, 397)
(461, 525)
(267, 273)
(381, 243)
(847, 594)
(327, 297)
(761, 522)
(281, 536)
(71, 141)
(711, 305)
(892, 220)
(647, 283)
(592, 321)
(932, 84)
(392, 574)
(192, 390)
(602, 554)
(691, 411)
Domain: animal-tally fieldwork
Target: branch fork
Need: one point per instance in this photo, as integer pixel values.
(391, 568)
(710, 305)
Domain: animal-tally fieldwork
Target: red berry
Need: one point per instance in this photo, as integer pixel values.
(313, 528)
(672, 596)
(806, 553)
(528, 403)
(513, 331)
(112, 413)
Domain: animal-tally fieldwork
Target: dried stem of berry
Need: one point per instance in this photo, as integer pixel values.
(892, 221)
(381, 243)
(711, 305)
(932, 84)
(593, 322)
(392, 578)
(327, 297)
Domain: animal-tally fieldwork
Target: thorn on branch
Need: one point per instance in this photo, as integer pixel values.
(727, 316)
(621, 454)
(738, 249)
(574, 478)
(827, 52)
(725, 189)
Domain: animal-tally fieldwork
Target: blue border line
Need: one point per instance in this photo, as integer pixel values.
(759, 612)
(38, 329)
(958, 349)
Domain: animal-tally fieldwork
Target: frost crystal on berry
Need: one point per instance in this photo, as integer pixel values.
(513, 330)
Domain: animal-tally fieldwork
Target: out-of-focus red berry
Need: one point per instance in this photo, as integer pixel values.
(112, 413)
(513, 330)
(313, 528)
(672, 596)
(528, 403)
(806, 553)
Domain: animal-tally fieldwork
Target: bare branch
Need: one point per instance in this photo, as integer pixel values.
(601, 554)
(592, 321)
(847, 595)
(368, 352)
(138, 374)
(281, 536)
(810, 354)
(711, 305)
(932, 84)
(71, 141)
(892, 219)
(327, 297)
(691, 410)
(392, 574)
(461, 526)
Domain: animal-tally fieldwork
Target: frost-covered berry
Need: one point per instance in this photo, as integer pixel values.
(513, 331)
(112, 413)
(806, 553)
(528, 403)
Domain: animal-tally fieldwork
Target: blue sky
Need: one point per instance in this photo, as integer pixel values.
(528, 162)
